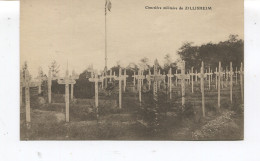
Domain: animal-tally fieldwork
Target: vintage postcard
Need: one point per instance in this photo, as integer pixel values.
(132, 70)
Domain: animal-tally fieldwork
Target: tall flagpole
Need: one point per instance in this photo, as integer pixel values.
(105, 74)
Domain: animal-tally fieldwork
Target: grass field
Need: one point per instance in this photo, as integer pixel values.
(135, 122)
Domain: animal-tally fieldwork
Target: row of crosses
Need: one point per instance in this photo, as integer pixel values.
(25, 81)
(156, 78)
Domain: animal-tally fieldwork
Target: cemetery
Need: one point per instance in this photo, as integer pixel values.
(137, 75)
(183, 103)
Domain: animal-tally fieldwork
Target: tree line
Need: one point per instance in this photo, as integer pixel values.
(226, 51)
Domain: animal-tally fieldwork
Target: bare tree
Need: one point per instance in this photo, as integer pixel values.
(144, 63)
(54, 68)
(40, 72)
(167, 61)
(132, 66)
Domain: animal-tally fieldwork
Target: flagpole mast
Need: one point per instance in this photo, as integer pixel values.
(105, 43)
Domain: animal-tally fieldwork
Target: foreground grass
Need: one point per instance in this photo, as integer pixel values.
(48, 120)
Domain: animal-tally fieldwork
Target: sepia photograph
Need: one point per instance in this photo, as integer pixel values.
(145, 70)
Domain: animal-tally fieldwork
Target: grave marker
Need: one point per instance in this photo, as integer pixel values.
(27, 96)
(103, 78)
(134, 78)
(164, 81)
(159, 82)
(226, 76)
(231, 80)
(211, 77)
(140, 77)
(149, 78)
(183, 77)
(21, 87)
(209, 74)
(120, 78)
(149, 81)
(222, 78)
(40, 79)
(216, 77)
(189, 78)
(110, 76)
(73, 76)
(241, 73)
(142, 81)
(236, 74)
(170, 75)
(125, 76)
(94, 78)
(220, 75)
(202, 75)
(176, 80)
(66, 80)
(192, 76)
(25, 81)
(156, 77)
(196, 78)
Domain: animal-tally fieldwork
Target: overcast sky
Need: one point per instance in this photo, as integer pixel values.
(72, 30)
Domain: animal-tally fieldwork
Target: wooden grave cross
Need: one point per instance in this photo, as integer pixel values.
(216, 77)
(159, 82)
(170, 75)
(202, 75)
(236, 72)
(110, 76)
(103, 78)
(226, 76)
(196, 76)
(176, 78)
(149, 78)
(120, 78)
(230, 74)
(149, 81)
(192, 76)
(183, 77)
(140, 77)
(73, 76)
(25, 81)
(94, 78)
(241, 73)
(26, 84)
(164, 81)
(219, 75)
(21, 87)
(66, 80)
(223, 77)
(125, 77)
(209, 74)
(189, 82)
(134, 76)
(142, 73)
(156, 78)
